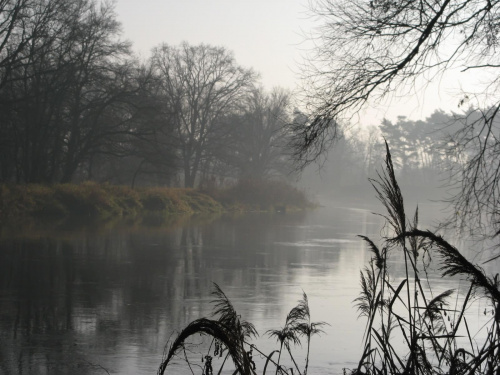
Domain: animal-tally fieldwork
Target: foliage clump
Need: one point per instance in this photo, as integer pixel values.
(88, 199)
(177, 200)
(262, 195)
(160, 199)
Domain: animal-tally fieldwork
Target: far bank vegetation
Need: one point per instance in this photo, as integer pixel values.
(95, 200)
(88, 128)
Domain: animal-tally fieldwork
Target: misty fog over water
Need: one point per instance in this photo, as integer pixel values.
(77, 298)
(151, 154)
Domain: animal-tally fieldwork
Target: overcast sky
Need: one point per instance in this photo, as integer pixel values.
(263, 34)
(266, 35)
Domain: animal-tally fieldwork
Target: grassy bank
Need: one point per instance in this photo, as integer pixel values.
(103, 200)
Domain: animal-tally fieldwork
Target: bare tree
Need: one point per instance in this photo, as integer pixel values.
(68, 91)
(475, 154)
(13, 38)
(373, 150)
(366, 49)
(135, 141)
(260, 139)
(201, 84)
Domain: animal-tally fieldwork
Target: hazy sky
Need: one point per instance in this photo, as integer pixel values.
(263, 34)
(266, 35)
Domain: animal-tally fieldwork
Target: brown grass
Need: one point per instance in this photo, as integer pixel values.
(94, 200)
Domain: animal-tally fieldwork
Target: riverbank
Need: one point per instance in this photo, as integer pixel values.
(103, 200)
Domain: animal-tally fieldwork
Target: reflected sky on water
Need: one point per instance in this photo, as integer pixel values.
(80, 298)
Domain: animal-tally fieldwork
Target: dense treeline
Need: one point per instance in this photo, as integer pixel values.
(76, 105)
(426, 154)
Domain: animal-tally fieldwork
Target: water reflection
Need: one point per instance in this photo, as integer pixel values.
(74, 298)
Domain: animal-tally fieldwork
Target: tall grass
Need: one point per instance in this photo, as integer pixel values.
(434, 333)
(230, 338)
(436, 338)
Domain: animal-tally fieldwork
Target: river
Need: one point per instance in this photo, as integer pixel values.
(106, 297)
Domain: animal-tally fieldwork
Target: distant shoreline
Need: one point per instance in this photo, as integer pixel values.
(93, 200)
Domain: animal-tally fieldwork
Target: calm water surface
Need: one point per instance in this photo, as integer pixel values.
(86, 299)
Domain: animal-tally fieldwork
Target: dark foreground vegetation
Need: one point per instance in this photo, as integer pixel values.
(103, 200)
(409, 328)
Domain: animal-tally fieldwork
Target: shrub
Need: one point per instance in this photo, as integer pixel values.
(19, 200)
(263, 195)
(127, 198)
(200, 202)
(87, 199)
(163, 199)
